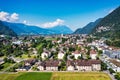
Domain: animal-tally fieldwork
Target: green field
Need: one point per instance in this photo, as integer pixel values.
(55, 76)
(34, 76)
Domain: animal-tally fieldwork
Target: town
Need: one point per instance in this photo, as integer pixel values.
(57, 53)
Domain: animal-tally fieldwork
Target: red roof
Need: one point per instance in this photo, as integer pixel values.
(93, 52)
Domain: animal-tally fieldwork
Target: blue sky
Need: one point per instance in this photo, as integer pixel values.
(74, 13)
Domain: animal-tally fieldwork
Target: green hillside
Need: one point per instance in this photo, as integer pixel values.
(109, 26)
(6, 30)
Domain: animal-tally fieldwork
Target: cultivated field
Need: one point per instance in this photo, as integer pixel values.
(80, 76)
(56, 76)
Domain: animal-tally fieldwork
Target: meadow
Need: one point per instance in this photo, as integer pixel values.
(55, 76)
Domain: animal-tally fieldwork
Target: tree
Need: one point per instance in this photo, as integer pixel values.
(29, 56)
(80, 57)
(88, 57)
(71, 49)
(89, 40)
(65, 57)
(117, 76)
(62, 66)
(1, 67)
(72, 57)
(111, 70)
(103, 66)
(100, 52)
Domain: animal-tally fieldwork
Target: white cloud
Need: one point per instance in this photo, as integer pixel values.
(52, 24)
(5, 16)
(14, 17)
(25, 22)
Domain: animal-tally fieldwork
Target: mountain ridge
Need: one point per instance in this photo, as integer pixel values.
(23, 29)
(88, 28)
(109, 26)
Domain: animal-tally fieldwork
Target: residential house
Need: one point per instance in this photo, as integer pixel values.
(41, 65)
(52, 65)
(61, 54)
(29, 62)
(84, 65)
(93, 54)
(76, 54)
(45, 55)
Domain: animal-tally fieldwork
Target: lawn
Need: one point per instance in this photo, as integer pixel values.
(25, 56)
(39, 46)
(55, 76)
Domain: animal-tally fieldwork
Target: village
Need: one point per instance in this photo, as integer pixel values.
(58, 53)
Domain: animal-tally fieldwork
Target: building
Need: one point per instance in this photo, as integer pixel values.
(76, 54)
(93, 54)
(112, 53)
(45, 55)
(84, 65)
(52, 65)
(70, 65)
(61, 55)
(115, 65)
(41, 66)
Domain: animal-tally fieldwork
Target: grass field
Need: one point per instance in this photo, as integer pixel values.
(34, 76)
(56, 76)
(11, 76)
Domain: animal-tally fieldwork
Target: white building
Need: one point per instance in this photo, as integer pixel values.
(93, 54)
(70, 68)
(45, 55)
(76, 54)
(61, 55)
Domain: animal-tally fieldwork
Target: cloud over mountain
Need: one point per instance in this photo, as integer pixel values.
(52, 24)
(5, 16)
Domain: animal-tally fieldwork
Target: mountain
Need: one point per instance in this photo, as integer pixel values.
(61, 29)
(22, 29)
(109, 26)
(88, 28)
(6, 30)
